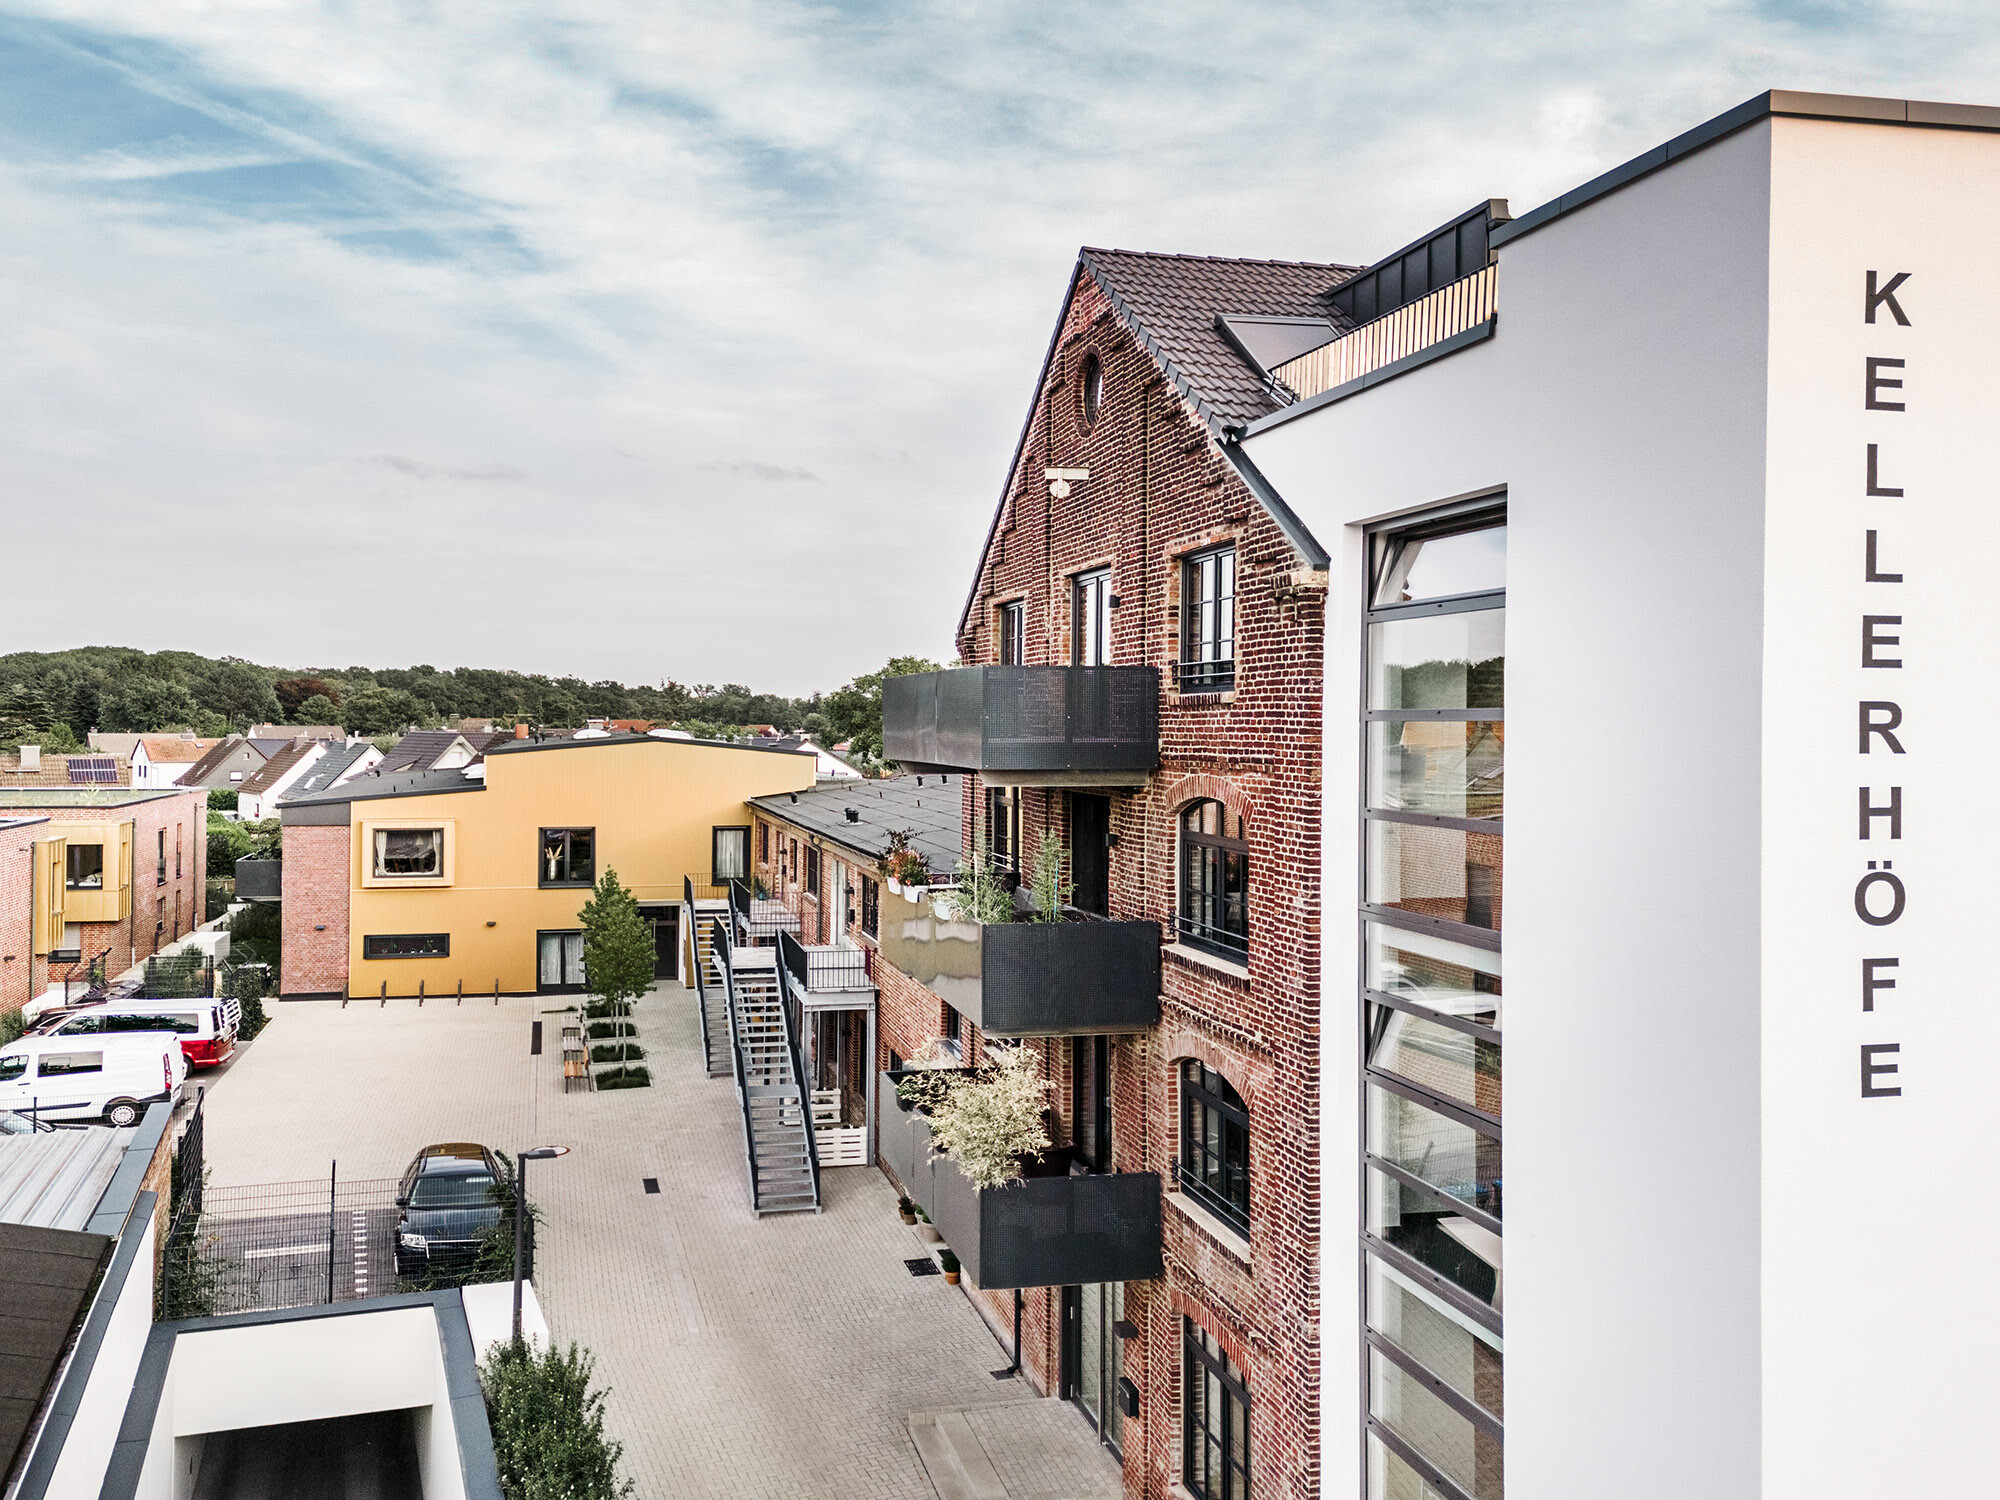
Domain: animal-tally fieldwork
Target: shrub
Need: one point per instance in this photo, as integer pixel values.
(986, 1121)
(222, 799)
(597, 1009)
(624, 1078)
(617, 1052)
(548, 1426)
(947, 1261)
(216, 896)
(598, 1029)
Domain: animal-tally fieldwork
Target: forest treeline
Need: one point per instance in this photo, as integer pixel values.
(55, 698)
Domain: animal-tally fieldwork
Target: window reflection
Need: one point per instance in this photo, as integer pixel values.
(1446, 1062)
(1468, 562)
(1437, 1335)
(1450, 1244)
(1452, 1157)
(1439, 661)
(1403, 1402)
(1454, 979)
(1435, 872)
(1451, 767)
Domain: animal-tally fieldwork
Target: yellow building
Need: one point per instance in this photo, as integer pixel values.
(474, 877)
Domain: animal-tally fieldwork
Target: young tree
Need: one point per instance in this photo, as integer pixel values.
(617, 948)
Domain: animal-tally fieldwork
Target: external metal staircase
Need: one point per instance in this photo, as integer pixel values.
(778, 1142)
(710, 991)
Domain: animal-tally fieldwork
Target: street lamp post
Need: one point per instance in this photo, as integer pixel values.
(539, 1153)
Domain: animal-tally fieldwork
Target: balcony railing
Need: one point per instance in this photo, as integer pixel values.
(832, 969)
(1051, 1228)
(1049, 726)
(1076, 978)
(1204, 676)
(260, 880)
(1455, 308)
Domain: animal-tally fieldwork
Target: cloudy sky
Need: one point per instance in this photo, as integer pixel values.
(690, 340)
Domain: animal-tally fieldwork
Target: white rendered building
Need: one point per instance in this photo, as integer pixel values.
(1708, 444)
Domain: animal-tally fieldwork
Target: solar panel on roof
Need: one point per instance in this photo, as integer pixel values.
(93, 770)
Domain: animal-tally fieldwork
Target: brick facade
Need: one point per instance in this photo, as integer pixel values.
(1159, 490)
(318, 861)
(167, 892)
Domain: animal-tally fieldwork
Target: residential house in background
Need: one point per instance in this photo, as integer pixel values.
(166, 759)
(259, 793)
(829, 766)
(94, 875)
(437, 750)
(322, 732)
(112, 743)
(227, 764)
(338, 766)
(31, 766)
(474, 875)
(1145, 626)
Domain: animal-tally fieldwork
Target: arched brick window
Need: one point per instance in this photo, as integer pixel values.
(1214, 880)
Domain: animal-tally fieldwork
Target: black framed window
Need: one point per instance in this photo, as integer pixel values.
(1208, 622)
(1215, 1145)
(1214, 880)
(954, 1029)
(871, 907)
(1090, 388)
(1012, 624)
(160, 871)
(763, 842)
(1003, 826)
(729, 854)
(812, 871)
(569, 856)
(83, 868)
(1090, 619)
(407, 945)
(1430, 1003)
(1215, 1418)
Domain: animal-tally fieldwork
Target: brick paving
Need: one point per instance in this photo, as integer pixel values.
(746, 1358)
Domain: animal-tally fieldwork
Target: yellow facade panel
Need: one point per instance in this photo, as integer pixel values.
(652, 804)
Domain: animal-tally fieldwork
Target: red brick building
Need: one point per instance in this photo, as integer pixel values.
(89, 873)
(1139, 564)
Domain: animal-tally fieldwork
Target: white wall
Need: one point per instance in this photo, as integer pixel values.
(1880, 1312)
(305, 1371)
(1621, 403)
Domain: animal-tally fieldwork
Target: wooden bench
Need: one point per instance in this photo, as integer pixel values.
(576, 1072)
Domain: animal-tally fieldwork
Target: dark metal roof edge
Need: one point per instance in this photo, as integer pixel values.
(123, 1191)
(1479, 333)
(1296, 531)
(335, 798)
(1787, 103)
(1020, 447)
(49, 1442)
(522, 747)
(1493, 209)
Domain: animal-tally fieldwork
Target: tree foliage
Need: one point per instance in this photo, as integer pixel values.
(294, 691)
(986, 1120)
(618, 952)
(548, 1425)
(148, 705)
(854, 712)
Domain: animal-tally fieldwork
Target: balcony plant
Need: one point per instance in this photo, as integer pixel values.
(900, 865)
(906, 1210)
(1050, 893)
(987, 1120)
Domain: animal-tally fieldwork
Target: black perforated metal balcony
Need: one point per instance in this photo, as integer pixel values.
(1027, 726)
(1078, 978)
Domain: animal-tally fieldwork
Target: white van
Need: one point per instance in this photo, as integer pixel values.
(110, 1078)
(206, 1030)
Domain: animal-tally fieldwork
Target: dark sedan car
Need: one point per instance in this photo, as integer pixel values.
(449, 1198)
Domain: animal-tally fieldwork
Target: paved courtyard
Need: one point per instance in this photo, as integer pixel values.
(783, 1357)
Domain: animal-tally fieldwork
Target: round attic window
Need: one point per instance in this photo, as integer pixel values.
(1090, 387)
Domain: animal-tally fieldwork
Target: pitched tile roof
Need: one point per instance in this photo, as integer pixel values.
(1171, 304)
(171, 747)
(217, 753)
(328, 769)
(266, 776)
(419, 750)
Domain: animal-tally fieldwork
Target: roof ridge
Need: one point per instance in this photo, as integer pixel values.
(1234, 260)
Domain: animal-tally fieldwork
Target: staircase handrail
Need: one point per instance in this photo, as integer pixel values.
(792, 954)
(720, 937)
(739, 899)
(694, 957)
(799, 1082)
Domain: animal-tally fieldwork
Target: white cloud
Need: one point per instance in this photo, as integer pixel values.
(636, 262)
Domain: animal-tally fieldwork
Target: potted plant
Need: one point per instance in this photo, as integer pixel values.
(949, 1264)
(926, 1230)
(907, 1210)
(986, 1119)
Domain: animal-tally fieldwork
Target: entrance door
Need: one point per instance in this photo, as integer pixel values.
(834, 902)
(665, 922)
(1094, 1356)
(558, 962)
(1090, 852)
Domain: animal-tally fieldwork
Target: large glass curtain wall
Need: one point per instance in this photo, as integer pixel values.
(1434, 735)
